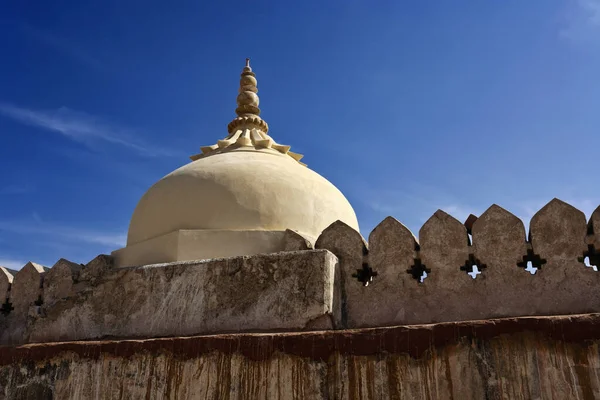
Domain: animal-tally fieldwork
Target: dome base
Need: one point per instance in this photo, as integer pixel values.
(202, 244)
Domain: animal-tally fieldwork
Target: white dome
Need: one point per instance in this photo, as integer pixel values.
(238, 197)
(240, 190)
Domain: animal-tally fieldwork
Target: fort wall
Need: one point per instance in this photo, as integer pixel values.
(345, 282)
(287, 291)
(381, 281)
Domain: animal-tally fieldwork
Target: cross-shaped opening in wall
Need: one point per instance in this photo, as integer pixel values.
(591, 258)
(530, 268)
(418, 271)
(473, 266)
(531, 262)
(365, 275)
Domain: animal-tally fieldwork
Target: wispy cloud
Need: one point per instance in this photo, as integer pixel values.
(591, 11)
(582, 21)
(81, 127)
(76, 235)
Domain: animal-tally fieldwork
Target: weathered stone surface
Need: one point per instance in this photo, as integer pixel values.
(499, 240)
(96, 268)
(499, 244)
(557, 233)
(293, 241)
(6, 279)
(26, 288)
(444, 250)
(97, 302)
(558, 236)
(594, 227)
(284, 291)
(58, 282)
(522, 358)
(391, 297)
(350, 249)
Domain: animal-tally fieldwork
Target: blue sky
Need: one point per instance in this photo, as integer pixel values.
(406, 106)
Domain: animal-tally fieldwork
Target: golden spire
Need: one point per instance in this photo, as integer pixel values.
(247, 99)
(248, 129)
(248, 113)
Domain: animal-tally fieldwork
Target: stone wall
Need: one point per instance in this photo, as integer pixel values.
(354, 284)
(523, 358)
(381, 281)
(286, 291)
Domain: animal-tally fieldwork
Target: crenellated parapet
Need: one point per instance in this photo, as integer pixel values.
(478, 270)
(454, 271)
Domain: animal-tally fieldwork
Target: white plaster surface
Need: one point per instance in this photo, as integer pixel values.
(240, 190)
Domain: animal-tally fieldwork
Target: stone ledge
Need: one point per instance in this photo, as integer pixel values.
(414, 340)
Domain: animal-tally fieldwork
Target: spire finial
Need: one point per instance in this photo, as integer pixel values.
(247, 99)
(248, 129)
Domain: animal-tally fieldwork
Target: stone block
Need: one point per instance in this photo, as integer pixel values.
(350, 249)
(444, 249)
(283, 291)
(558, 238)
(499, 245)
(58, 282)
(499, 240)
(392, 297)
(26, 288)
(557, 233)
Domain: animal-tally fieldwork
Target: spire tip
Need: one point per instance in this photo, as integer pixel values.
(247, 99)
